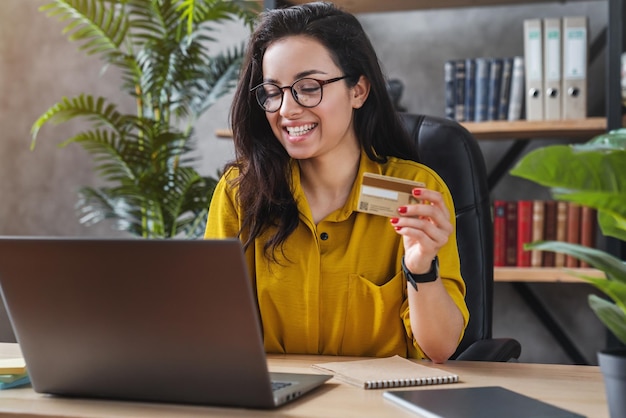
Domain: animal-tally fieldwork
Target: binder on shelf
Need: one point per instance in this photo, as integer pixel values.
(533, 57)
(552, 69)
(516, 99)
(575, 51)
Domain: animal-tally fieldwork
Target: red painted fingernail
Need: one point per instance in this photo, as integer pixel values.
(402, 209)
(394, 220)
(417, 192)
(397, 228)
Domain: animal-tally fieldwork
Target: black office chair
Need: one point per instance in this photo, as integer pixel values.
(450, 150)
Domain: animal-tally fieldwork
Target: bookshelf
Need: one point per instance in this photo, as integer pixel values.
(523, 129)
(542, 274)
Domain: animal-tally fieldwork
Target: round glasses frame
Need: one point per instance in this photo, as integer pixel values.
(262, 97)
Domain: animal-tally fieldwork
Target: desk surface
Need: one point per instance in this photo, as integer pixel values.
(576, 388)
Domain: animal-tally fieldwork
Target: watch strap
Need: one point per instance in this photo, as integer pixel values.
(430, 276)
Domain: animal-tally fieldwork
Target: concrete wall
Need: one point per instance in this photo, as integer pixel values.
(38, 188)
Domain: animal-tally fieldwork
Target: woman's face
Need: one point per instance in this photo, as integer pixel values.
(311, 132)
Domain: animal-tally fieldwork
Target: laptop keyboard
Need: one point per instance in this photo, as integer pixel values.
(279, 385)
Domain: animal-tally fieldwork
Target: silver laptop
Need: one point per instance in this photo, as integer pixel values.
(150, 320)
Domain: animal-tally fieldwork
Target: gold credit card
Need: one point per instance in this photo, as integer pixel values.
(382, 195)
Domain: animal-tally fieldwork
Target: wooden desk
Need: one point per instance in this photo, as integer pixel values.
(576, 388)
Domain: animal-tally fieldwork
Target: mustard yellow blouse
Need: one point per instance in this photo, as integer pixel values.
(338, 288)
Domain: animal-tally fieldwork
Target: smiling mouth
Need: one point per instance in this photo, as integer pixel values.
(300, 130)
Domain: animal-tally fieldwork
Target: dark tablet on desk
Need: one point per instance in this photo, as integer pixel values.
(478, 402)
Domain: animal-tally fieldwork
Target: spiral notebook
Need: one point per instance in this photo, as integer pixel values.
(387, 372)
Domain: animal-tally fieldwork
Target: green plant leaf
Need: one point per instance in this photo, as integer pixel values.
(100, 26)
(613, 267)
(610, 315)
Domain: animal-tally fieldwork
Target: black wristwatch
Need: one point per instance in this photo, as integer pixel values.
(430, 276)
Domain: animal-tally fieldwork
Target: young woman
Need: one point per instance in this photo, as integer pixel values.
(311, 114)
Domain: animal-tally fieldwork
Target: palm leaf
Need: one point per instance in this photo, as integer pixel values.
(96, 110)
(101, 27)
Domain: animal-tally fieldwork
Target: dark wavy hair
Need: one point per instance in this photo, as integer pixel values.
(264, 181)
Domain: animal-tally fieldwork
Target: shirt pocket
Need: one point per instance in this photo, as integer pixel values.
(374, 325)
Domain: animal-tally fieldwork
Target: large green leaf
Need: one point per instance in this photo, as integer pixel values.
(611, 316)
(591, 174)
(613, 267)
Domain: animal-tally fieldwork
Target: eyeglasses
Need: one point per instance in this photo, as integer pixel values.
(307, 92)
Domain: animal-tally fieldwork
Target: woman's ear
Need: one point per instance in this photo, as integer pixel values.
(360, 91)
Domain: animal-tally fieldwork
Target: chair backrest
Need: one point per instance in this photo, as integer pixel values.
(449, 149)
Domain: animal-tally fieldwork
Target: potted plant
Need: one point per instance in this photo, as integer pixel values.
(161, 48)
(593, 174)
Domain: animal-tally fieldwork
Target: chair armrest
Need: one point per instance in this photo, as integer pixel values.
(494, 349)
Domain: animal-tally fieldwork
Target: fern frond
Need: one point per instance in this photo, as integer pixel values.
(101, 26)
(95, 110)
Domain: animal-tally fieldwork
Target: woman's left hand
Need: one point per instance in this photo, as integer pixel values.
(425, 228)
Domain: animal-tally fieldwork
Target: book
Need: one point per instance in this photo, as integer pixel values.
(481, 92)
(549, 230)
(449, 73)
(524, 231)
(587, 229)
(495, 79)
(538, 223)
(573, 231)
(475, 402)
(499, 233)
(12, 366)
(561, 231)
(459, 90)
(386, 372)
(505, 88)
(19, 381)
(511, 233)
(470, 88)
(516, 99)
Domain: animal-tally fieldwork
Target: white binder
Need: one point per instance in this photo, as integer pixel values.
(533, 58)
(575, 46)
(552, 69)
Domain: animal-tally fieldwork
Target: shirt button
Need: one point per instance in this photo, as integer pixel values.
(324, 236)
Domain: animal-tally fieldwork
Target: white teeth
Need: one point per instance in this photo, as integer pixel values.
(300, 130)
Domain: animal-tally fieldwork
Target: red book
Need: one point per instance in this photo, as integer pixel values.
(573, 231)
(587, 229)
(549, 231)
(499, 233)
(511, 233)
(524, 231)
